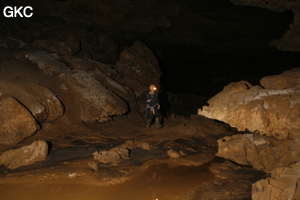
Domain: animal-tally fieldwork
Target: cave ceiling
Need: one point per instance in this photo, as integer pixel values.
(215, 41)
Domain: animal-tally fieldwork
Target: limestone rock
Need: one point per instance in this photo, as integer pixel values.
(138, 62)
(283, 184)
(16, 122)
(113, 85)
(173, 153)
(105, 74)
(11, 42)
(59, 47)
(131, 144)
(26, 155)
(42, 103)
(273, 112)
(262, 152)
(117, 154)
(113, 156)
(88, 99)
(287, 79)
(47, 63)
(79, 63)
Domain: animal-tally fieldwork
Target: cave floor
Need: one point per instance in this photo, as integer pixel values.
(151, 174)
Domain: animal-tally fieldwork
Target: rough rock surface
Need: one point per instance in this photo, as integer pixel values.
(117, 154)
(113, 156)
(89, 99)
(172, 153)
(262, 152)
(47, 63)
(59, 47)
(283, 184)
(288, 79)
(16, 122)
(26, 155)
(42, 103)
(110, 83)
(233, 182)
(139, 63)
(273, 112)
(105, 74)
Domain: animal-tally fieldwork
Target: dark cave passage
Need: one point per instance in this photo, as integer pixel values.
(201, 45)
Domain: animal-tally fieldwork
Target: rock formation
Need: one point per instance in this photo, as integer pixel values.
(138, 62)
(47, 63)
(283, 184)
(16, 122)
(48, 82)
(42, 103)
(271, 111)
(37, 151)
(93, 102)
(116, 155)
(262, 152)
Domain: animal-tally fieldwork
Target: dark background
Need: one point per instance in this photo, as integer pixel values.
(201, 45)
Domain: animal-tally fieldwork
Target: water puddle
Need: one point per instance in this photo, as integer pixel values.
(158, 182)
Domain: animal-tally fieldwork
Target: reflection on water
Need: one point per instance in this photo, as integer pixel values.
(162, 182)
(158, 182)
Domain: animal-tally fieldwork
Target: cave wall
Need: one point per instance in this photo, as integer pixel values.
(188, 37)
(290, 40)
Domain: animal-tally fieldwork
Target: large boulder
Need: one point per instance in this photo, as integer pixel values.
(283, 184)
(116, 87)
(47, 63)
(17, 123)
(88, 99)
(273, 112)
(15, 158)
(42, 103)
(138, 62)
(105, 74)
(288, 79)
(262, 152)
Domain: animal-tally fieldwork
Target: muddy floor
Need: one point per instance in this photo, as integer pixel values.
(74, 180)
(149, 175)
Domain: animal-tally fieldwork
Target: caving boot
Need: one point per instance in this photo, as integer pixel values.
(148, 123)
(157, 123)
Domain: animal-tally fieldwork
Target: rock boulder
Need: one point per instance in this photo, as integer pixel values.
(283, 184)
(47, 63)
(273, 112)
(138, 62)
(42, 103)
(262, 152)
(288, 79)
(88, 99)
(26, 155)
(17, 123)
